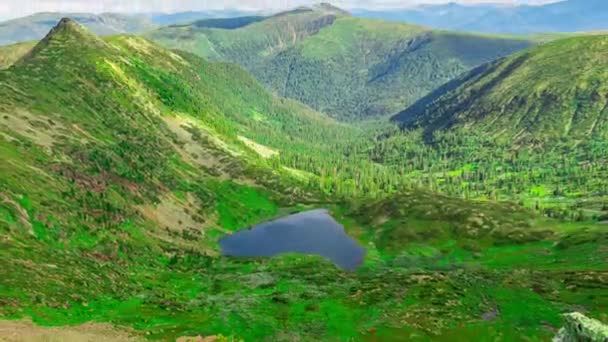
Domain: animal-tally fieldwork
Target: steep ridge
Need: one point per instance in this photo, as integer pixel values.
(252, 41)
(347, 67)
(78, 106)
(553, 91)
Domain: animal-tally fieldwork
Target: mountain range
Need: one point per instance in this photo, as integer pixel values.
(124, 163)
(36, 26)
(344, 66)
(561, 16)
(481, 205)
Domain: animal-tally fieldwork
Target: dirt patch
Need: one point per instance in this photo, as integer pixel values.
(198, 339)
(263, 151)
(26, 331)
(84, 133)
(192, 147)
(39, 129)
(174, 214)
(302, 175)
(94, 183)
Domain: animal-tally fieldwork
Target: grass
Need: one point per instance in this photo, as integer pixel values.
(12, 53)
(82, 240)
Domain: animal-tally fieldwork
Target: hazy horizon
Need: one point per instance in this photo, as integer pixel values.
(11, 9)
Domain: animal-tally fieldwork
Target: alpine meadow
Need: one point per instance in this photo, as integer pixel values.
(302, 174)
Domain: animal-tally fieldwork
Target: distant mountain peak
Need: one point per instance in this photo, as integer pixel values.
(323, 7)
(326, 6)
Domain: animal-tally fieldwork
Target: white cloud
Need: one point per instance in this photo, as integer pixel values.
(18, 8)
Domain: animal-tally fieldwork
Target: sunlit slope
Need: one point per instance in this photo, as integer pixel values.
(557, 90)
(350, 68)
(103, 133)
(249, 42)
(11, 53)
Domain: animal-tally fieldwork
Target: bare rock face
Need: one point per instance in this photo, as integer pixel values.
(579, 327)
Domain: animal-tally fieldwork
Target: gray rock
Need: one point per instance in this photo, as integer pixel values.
(579, 327)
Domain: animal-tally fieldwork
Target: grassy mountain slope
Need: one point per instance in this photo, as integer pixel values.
(123, 163)
(123, 144)
(348, 67)
(35, 26)
(12, 53)
(529, 128)
(258, 39)
(552, 91)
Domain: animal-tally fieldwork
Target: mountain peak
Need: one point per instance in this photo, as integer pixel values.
(327, 7)
(68, 26)
(66, 21)
(322, 7)
(67, 34)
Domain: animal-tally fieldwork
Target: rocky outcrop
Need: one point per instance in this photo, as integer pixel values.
(579, 327)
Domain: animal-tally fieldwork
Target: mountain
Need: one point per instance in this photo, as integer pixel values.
(450, 16)
(347, 67)
(124, 163)
(35, 26)
(10, 54)
(226, 23)
(560, 16)
(166, 19)
(549, 92)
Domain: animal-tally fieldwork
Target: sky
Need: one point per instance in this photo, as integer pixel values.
(18, 8)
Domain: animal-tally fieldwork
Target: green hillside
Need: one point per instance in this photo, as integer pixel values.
(550, 92)
(124, 163)
(11, 53)
(347, 67)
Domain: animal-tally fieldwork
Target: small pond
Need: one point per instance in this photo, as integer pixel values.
(310, 232)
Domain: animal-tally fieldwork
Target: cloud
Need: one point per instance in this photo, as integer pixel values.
(18, 8)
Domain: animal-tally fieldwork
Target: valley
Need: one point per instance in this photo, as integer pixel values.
(347, 67)
(463, 177)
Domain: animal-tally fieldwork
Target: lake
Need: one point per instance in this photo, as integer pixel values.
(311, 232)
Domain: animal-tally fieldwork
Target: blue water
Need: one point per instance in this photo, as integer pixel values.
(311, 232)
